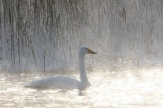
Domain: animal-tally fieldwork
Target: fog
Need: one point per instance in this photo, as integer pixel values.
(41, 38)
(46, 35)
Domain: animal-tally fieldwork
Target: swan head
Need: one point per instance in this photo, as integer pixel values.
(85, 50)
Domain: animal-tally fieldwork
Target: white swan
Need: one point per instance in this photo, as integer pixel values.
(63, 82)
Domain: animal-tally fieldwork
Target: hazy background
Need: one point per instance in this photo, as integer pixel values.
(47, 34)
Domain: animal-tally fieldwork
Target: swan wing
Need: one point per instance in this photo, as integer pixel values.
(54, 82)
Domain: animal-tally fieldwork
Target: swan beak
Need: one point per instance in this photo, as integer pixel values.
(90, 51)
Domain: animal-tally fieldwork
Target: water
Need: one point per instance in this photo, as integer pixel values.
(126, 88)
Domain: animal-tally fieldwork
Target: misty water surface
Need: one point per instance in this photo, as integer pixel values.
(125, 88)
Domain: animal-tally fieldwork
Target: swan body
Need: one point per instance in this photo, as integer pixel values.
(55, 82)
(63, 82)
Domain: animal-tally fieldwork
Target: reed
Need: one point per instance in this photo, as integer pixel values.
(46, 34)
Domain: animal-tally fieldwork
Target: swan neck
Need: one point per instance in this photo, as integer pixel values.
(83, 75)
